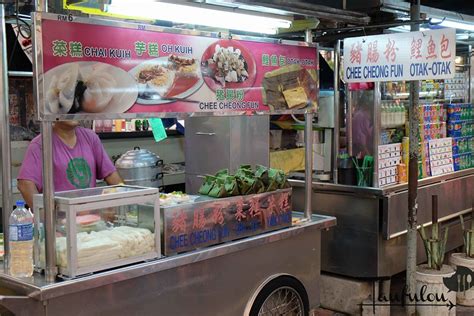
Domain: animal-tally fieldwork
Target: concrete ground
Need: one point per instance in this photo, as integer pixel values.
(397, 283)
(395, 311)
(325, 312)
(460, 311)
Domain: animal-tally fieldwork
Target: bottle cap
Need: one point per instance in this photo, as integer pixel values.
(20, 203)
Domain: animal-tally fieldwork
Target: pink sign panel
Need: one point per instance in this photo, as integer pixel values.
(88, 68)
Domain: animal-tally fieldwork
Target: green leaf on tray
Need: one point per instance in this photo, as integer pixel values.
(218, 190)
(246, 181)
(207, 185)
(222, 173)
(231, 186)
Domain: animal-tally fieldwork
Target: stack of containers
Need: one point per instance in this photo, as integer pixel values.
(460, 128)
(432, 126)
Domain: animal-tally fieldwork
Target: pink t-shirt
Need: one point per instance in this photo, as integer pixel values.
(74, 168)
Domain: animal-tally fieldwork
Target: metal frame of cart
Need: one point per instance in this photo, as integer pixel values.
(246, 268)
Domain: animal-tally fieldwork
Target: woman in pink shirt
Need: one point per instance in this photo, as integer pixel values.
(363, 124)
(79, 159)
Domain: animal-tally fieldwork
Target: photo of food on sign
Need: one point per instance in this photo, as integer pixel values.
(125, 70)
(90, 87)
(290, 87)
(228, 64)
(166, 79)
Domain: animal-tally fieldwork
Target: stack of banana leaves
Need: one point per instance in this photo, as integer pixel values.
(245, 181)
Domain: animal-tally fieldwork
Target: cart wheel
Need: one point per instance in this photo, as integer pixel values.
(282, 296)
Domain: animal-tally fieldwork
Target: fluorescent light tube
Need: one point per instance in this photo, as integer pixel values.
(454, 24)
(405, 28)
(197, 16)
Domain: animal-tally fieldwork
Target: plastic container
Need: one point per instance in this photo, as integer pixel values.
(346, 172)
(21, 241)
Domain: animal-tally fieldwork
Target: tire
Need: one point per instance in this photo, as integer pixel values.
(298, 305)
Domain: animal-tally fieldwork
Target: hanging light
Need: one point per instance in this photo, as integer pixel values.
(453, 24)
(196, 15)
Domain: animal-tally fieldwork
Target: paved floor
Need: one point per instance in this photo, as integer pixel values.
(395, 311)
(398, 281)
(325, 312)
(460, 311)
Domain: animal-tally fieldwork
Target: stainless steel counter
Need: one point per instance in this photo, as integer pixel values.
(372, 221)
(190, 269)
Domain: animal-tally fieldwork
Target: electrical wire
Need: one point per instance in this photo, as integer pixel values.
(20, 30)
(18, 19)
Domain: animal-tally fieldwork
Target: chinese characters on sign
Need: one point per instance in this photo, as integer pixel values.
(404, 56)
(191, 226)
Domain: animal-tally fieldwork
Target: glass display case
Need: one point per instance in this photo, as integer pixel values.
(101, 228)
(378, 130)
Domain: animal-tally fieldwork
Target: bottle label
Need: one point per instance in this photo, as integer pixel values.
(21, 232)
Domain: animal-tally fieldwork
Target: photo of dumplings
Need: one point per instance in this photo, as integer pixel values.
(88, 87)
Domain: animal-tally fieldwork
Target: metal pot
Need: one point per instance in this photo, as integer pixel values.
(140, 167)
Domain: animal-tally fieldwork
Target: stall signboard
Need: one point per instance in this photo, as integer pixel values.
(403, 56)
(97, 67)
(214, 221)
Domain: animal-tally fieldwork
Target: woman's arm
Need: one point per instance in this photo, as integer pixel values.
(27, 189)
(113, 179)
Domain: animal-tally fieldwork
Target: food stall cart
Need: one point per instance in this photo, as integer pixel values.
(241, 254)
(370, 239)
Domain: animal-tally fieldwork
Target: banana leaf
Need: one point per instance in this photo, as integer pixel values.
(272, 186)
(278, 176)
(218, 190)
(222, 173)
(262, 174)
(245, 183)
(246, 167)
(257, 187)
(207, 185)
(231, 186)
(242, 173)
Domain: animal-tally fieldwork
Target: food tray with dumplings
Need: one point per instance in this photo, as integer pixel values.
(100, 228)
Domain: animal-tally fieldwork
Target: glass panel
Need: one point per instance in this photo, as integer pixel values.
(362, 123)
(95, 192)
(114, 233)
(61, 234)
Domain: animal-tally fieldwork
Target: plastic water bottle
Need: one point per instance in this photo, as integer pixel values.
(21, 241)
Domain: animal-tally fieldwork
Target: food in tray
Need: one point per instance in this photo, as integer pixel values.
(227, 65)
(101, 247)
(175, 198)
(75, 90)
(290, 87)
(87, 219)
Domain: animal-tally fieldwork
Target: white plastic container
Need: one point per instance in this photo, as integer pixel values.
(465, 298)
(21, 241)
(431, 283)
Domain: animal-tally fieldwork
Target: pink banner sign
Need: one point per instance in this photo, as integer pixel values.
(102, 69)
